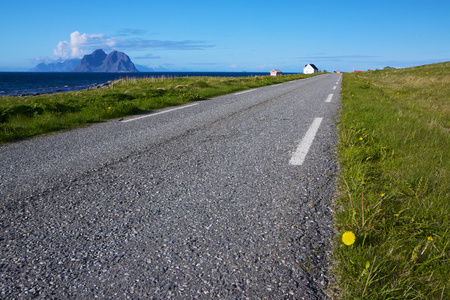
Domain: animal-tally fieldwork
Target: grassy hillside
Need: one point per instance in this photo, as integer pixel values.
(24, 117)
(394, 154)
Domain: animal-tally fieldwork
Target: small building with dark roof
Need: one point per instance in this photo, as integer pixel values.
(310, 69)
(276, 73)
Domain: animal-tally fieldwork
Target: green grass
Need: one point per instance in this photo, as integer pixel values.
(394, 156)
(25, 117)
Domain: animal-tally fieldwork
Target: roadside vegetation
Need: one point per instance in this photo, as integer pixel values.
(25, 117)
(393, 210)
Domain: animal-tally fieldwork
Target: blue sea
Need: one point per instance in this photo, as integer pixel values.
(23, 83)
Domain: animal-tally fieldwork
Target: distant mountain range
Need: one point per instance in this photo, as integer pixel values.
(63, 66)
(98, 61)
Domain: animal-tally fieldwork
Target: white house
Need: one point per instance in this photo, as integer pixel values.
(276, 73)
(310, 69)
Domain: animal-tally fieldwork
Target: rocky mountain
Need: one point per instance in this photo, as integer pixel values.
(99, 61)
(61, 66)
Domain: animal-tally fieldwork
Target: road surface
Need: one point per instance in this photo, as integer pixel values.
(224, 198)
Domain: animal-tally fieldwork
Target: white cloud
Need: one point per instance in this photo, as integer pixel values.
(80, 44)
(83, 43)
(62, 50)
(148, 56)
(44, 59)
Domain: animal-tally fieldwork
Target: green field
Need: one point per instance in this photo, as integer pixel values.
(25, 117)
(394, 156)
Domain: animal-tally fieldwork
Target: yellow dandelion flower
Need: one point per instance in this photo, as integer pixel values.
(382, 195)
(430, 238)
(360, 138)
(109, 107)
(348, 238)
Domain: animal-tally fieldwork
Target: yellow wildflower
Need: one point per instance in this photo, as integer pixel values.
(430, 238)
(348, 238)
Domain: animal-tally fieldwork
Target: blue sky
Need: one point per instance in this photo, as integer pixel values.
(230, 35)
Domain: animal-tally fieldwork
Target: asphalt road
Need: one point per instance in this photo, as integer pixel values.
(202, 201)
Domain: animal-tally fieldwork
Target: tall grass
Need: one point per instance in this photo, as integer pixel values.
(24, 117)
(394, 155)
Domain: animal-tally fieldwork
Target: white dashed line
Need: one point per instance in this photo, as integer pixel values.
(158, 113)
(299, 156)
(245, 92)
(334, 87)
(329, 98)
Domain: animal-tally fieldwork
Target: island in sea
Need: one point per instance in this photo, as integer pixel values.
(97, 61)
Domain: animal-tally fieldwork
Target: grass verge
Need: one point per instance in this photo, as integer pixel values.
(25, 117)
(394, 156)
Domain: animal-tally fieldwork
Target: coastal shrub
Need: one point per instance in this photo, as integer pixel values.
(192, 96)
(158, 92)
(8, 132)
(115, 97)
(27, 110)
(57, 107)
(5, 113)
(121, 108)
(200, 84)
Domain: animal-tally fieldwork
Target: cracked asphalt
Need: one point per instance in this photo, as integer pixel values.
(198, 202)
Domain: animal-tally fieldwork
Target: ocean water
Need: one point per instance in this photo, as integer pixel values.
(23, 83)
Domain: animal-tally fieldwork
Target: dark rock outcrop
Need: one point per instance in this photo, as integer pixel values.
(98, 61)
